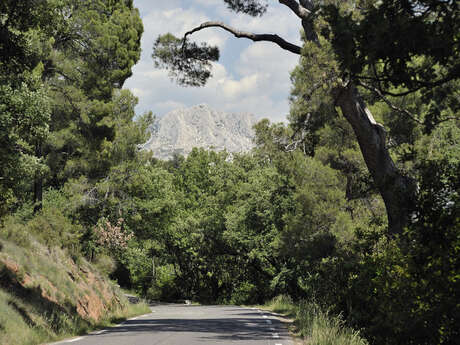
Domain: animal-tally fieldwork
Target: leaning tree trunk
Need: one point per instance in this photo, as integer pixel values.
(397, 190)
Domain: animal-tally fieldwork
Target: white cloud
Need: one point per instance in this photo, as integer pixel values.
(209, 2)
(277, 20)
(168, 105)
(233, 89)
(177, 21)
(255, 79)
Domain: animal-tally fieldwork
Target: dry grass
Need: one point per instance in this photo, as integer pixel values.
(39, 290)
(315, 325)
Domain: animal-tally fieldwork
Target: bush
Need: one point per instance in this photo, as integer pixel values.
(282, 304)
(245, 293)
(105, 264)
(165, 287)
(52, 226)
(317, 325)
(55, 229)
(15, 232)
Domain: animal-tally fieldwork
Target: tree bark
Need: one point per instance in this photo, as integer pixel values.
(396, 189)
(38, 183)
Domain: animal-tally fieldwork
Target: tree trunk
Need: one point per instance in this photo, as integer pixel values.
(397, 190)
(38, 183)
(153, 270)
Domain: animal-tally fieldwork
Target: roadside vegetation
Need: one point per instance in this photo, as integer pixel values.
(47, 294)
(315, 324)
(301, 215)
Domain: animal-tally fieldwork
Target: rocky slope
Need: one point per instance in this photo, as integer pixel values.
(45, 294)
(200, 126)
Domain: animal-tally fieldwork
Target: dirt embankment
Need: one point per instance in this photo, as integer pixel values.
(46, 293)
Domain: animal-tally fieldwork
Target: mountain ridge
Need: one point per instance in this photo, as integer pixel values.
(200, 126)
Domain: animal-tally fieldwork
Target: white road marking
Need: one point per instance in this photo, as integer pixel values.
(278, 344)
(275, 335)
(252, 324)
(76, 339)
(99, 332)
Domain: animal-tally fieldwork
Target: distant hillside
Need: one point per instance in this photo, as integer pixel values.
(200, 126)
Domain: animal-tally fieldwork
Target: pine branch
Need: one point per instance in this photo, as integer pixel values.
(253, 37)
(301, 11)
(391, 105)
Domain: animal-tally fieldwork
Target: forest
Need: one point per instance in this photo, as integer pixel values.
(353, 205)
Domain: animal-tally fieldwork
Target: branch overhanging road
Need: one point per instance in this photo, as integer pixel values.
(192, 325)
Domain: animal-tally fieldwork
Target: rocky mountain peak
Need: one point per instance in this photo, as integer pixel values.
(200, 126)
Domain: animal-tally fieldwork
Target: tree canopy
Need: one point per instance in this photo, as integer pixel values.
(352, 208)
(402, 50)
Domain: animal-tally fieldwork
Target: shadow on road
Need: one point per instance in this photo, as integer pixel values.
(235, 328)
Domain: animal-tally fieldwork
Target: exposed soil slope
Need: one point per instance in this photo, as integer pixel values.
(44, 293)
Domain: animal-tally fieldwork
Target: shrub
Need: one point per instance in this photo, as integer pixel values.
(282, 304)
(245, 293)
(105, 264)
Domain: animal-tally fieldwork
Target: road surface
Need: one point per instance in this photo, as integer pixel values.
(192, 325)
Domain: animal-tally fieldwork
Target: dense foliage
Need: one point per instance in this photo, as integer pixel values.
(300, 214)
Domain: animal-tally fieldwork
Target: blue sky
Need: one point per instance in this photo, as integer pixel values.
(250, 77)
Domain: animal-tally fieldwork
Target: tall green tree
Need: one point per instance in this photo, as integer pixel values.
(26, 30)
(24, 116)
(90, 61)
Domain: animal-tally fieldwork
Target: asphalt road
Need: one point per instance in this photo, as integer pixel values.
(191, 325)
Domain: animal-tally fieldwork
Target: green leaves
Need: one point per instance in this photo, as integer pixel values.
(25, 31)
(92, 120)
(187, 62)
(109, 44)
(251, 7)
(24, 117)
(388, 37)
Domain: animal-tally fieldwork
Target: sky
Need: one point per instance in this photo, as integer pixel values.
(249, 77)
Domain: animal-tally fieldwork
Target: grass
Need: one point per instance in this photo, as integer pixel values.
(315, 325)
(120, 315)
(13, 327)
(38, 297)
(283, 304)
(114, 318)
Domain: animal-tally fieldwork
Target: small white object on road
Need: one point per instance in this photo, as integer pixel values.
(275, 335)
